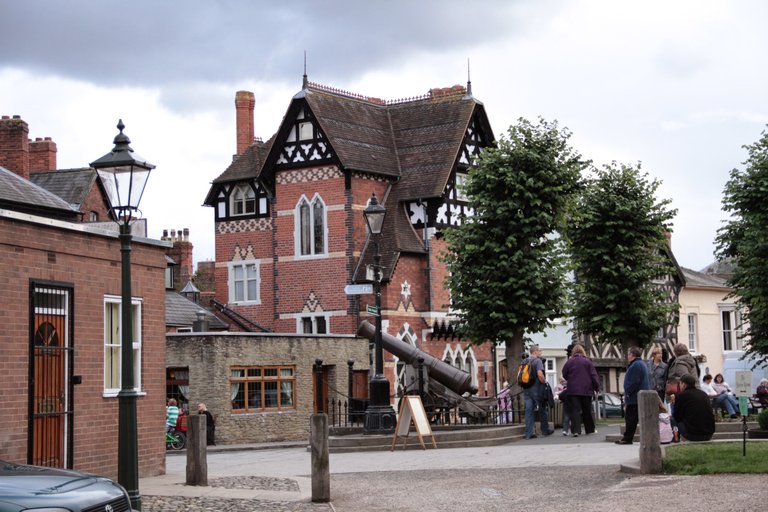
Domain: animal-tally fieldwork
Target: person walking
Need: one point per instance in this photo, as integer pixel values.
(657, 371)
(536, 395)
(583, 382)
(693, 411)
(635, 380)
(561, 393)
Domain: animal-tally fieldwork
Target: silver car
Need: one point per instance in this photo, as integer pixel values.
(24, 487)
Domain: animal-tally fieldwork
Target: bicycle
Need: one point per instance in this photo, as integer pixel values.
(174, 439)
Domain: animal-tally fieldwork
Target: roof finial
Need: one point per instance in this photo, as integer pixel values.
(469, 82)
(304, 82)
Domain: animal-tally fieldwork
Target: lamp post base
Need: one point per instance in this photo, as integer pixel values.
(380, 417)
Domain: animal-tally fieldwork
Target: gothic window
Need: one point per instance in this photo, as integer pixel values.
(243, 200)
(311, 236)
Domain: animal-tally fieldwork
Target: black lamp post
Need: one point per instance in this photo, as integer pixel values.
(124, 175)
(379, 416)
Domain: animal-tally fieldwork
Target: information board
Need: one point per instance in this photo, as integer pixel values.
(412, 412)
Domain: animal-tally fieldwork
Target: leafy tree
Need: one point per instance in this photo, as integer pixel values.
(617, 237)
(744, 238)
(506, 269)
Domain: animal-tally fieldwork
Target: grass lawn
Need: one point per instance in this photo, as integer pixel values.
(711, 458)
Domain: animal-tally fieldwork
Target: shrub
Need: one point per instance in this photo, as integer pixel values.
(762, 419)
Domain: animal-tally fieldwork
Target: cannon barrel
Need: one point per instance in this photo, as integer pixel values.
(449, 376)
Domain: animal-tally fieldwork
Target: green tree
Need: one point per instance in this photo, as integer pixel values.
(744, 238)
(617, 237)
(506, 267)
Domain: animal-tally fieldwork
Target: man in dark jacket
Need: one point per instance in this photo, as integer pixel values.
(635, 380)
(693, 411)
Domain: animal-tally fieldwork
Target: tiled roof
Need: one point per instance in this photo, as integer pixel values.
(182, 312)
(702, 280)
(246, 166)
(19, 194)
(72, 185)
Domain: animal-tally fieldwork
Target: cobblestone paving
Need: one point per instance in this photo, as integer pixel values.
(184, 504)
(261, 483)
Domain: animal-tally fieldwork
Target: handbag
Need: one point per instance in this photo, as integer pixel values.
(672, 388)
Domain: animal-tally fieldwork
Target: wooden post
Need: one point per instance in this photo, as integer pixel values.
(650, 446)
(318, 445)
(197, 451)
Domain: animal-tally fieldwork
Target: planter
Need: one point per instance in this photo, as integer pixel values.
(756, 433)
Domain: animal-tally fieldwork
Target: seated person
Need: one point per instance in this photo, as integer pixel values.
(720, 396)
(171, 414)
(666, 435)
(762, 392)
(693, 411)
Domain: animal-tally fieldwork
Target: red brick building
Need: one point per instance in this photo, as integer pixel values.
(290, 232)
(60, 371)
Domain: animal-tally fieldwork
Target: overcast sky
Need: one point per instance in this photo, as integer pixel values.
(677, 85)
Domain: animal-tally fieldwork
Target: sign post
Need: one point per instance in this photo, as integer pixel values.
(358, 289)
(372, 310)
(743, 390)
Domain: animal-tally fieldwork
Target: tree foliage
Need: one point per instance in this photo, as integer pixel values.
(744, 238)
(506, 268)
(617, 237)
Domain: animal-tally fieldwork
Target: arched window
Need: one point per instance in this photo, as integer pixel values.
(243, 200)
(310, 227)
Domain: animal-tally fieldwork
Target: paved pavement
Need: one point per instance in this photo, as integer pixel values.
(552, 473)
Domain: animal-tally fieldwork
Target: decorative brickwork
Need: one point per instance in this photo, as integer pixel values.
(308, 175)
(243, 226)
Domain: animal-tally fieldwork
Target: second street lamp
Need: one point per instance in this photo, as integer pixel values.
(380, 416)
(124, 175)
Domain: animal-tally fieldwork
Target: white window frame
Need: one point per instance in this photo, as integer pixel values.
(231, 281)
(313, 317)
(242, 193)
(734, 333)
(113, 342)
(550, 371)
(693, 322)
(299, 228)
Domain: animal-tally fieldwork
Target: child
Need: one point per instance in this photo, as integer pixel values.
(171, 414)
(666, 434)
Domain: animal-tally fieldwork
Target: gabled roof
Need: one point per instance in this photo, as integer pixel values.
(246, 166)
(19, 194)
(72, 185)
(695, 279)
(182, 312)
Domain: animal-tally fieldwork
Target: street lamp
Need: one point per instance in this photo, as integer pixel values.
(379, 416)
(124, 175)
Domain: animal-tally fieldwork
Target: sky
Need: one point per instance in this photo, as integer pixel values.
(679, 86)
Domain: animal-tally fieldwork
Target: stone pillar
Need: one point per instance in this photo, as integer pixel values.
(321, 472)
(650, 446)
(197, 451)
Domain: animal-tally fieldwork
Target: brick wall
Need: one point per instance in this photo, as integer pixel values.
(90, 263)
(42, 155)
(14, 145)
(210, 356)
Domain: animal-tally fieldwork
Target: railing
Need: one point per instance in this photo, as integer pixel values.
(244, 323)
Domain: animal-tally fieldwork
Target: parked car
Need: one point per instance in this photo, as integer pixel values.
(24, 487)
(610, 405)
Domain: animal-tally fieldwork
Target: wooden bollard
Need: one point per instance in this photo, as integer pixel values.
(318, 445)
(650, 446)
(197, 450)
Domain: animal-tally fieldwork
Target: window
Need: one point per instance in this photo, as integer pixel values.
(93, 216)
(243, 200)
(113, 346)
(550, 371)
(310, 227)
(315, 324)
(244, 281)
(692, 331)
(262, 388)
(732, 334)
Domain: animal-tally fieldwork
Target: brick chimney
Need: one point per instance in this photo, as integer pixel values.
(42, 155)
(14, 145)
(181, 253)
(244, 104)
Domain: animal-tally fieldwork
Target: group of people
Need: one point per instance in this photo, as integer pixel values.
(172, 413)
(676, 382)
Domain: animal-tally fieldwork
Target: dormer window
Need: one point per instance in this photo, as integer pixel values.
(243, 200)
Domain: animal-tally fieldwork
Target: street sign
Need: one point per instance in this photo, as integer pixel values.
(358, 289)
(743, 383)
(373, 310)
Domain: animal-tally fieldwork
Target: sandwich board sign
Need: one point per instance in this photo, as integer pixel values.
(412, 411)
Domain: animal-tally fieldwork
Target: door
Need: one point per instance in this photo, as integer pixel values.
(50, 371)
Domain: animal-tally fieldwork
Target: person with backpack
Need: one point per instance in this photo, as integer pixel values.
(583, 382)
(530, 376)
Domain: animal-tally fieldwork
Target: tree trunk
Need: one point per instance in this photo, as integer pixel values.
(513, 350)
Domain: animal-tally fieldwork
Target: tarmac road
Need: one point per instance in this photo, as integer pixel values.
(554, 473)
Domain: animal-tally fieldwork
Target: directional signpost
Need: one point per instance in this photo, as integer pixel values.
(743, 390)
(373, 310)
(358, 289)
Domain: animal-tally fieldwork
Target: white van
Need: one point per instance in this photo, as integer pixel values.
(734, 362)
